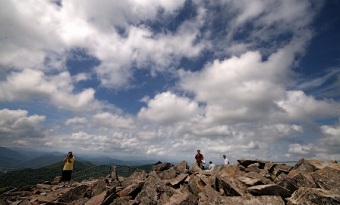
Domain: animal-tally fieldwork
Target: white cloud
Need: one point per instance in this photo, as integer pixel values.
(242, 105)
(298, 106)
(167, 108)
(76, 120)
(108, 120)
(329, 144)
(58, 89)
(300, 149)
(16, 126)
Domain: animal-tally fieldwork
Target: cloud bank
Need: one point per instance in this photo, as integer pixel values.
(233, 87)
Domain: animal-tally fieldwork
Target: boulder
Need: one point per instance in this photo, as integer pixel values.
(97, 199)
(168, 174)
(182, 167)
(231, 186)
(314, 196)
(136, 177)
(122, 201)
(327, 178)
(293, 183)
(246, 163)
(196, 185)
(230, 171)
(258, 176)
(250, 181)
(182, 197)
(99, 187)
(269, 189)
(154, 191)
(131, 190)
(244, 200)
(159, 166)
(305, 166)
(179, 179)
(194, 168)
(56, 180)
(74, 194)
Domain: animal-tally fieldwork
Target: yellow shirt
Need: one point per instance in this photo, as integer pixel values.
(69, 165)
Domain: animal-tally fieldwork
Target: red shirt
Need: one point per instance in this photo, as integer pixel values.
(199, 157)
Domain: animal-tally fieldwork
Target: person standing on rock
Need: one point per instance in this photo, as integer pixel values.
(226, 160)
(68, 168)
(199, 159)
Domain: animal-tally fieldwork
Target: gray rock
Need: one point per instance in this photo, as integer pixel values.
(99, 187)
(314, 196)
(122, 201)
(258, 176)
(56, 180)
(180, 178)
(253, 168)
(168, 174)
(131, 190)
(293, 183)
(246, 163)
(74, 194)
(159, 166)
(231, 186)
(327, 178)
(250, 181)
(182, 167)
(136, 177)
(305, 166)
(196, 185)
(182, 197)
(154, 191)
(244, 200)
(269, 189)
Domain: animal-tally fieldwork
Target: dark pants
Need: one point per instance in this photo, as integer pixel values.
(66, 175)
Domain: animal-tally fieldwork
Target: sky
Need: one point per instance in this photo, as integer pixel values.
(159, 79)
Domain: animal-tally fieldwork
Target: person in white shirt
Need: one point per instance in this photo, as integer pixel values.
(211, 166)
(226, 160)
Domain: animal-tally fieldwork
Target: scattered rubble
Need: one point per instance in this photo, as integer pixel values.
(250, 182)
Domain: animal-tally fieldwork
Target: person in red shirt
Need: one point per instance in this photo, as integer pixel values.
(199, 159)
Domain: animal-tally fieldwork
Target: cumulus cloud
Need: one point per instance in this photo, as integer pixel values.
(29, 84)
(329, 144)
(76, 120)
(231, 88)
(300, 149)
(108, 120)
(167, 108)
(17, 127)
(260, 23)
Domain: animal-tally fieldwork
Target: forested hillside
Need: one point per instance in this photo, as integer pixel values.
(82, 170)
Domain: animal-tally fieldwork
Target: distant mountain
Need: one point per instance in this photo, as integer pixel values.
(20, 158)
(42, 161)
(10, 158)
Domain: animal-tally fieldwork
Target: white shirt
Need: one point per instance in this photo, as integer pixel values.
(226, 161)
(211, 166)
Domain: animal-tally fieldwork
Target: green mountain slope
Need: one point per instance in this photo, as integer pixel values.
(82, 170)
(23, 177)
(10, 158)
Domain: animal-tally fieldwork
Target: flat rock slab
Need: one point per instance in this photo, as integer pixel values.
(314, 196)
(269, 189)
(244, 200)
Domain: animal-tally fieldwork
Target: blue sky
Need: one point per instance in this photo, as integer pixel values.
(161, 79)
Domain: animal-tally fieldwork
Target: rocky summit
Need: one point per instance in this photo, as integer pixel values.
(249, 182)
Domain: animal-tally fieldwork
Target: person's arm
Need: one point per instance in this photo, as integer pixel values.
(67, 159)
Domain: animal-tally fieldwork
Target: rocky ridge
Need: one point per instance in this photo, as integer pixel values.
(249, 182)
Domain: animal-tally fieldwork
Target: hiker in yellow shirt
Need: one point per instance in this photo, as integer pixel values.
(68, 168)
